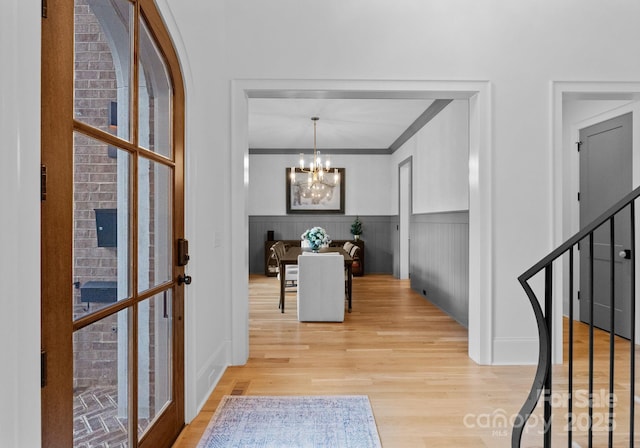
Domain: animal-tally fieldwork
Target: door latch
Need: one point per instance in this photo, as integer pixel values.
(186, 279)
(183, 252)
(626, 254)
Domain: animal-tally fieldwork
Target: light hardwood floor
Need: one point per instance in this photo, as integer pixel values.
(409, 357)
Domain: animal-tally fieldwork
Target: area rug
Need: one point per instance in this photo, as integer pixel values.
(344, 421)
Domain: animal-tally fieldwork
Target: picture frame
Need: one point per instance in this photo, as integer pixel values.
(299, 196)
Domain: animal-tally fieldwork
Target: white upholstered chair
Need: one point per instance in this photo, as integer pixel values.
(321, 293)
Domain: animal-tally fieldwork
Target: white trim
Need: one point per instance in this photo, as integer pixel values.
(481, 227)
(239, 224)
(480, 189)
(510, 351)
(211, 372)
(403, 259)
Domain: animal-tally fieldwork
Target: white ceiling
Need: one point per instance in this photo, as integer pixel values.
(367, 125)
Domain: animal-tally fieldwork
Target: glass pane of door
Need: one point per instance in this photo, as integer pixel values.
(102, 64)
(154, 97)
(101, 260)
(123, 359)
(155, 224)
(154, 357)
(100, 377)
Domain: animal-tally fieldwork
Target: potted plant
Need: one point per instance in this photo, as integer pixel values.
(356, 228)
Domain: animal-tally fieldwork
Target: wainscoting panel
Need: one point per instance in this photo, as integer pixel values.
(376, 233)
(439, 265)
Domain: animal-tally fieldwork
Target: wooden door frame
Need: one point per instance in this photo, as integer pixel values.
(57, 126)
(57, 214)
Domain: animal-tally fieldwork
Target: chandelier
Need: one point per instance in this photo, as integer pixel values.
(319, 182)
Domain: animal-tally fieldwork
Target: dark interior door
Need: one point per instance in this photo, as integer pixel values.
(605, 177)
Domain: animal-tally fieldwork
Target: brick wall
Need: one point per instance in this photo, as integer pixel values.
(95, 185)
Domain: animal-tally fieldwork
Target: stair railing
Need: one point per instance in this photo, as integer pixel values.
(542, 383)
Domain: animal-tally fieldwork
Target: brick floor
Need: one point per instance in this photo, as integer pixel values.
(96, 423)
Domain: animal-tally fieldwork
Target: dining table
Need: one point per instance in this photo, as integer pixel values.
(291, 257)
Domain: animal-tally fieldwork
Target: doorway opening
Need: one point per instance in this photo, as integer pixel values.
(404, 212)
(578, 105)
(480, 197)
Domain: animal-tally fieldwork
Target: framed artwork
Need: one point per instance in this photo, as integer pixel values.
(304, 195)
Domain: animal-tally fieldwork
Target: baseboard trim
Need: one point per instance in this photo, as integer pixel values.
(515, 351)
(210, 374)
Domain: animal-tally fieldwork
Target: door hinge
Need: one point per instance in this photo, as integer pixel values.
(43, 368)
(578, 295)
(43, 182)
(578, 195)
(578, 145)
(44, 9)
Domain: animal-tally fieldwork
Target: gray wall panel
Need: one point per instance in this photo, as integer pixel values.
(439, 251)
(439, 264)
(375, 233)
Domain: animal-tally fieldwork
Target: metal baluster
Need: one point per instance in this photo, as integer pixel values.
(612, 321)
(542, 380)
(632, 342)
(570, 386)
(591, 299)
(548, 315)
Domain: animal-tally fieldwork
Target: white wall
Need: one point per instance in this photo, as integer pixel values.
(440, 153)
(20, 223)
(367, 184)
(442, 158)
(458, 40)
(219, 42)
(208, 328)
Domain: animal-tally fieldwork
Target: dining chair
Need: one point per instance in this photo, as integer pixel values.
(354, 251)
(347, 246)
(321, 294)
(291, 270)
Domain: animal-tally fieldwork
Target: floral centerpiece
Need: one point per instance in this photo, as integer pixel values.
(317, 237)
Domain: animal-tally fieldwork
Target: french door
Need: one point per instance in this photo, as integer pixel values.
(112, 222)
